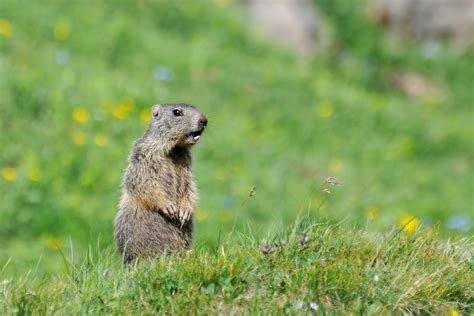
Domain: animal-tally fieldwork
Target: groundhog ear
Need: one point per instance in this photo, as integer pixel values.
(155, 110)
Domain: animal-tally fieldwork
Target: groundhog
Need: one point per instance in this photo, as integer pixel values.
(158, 192)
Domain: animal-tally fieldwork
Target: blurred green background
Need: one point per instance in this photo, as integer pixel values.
(77, 80)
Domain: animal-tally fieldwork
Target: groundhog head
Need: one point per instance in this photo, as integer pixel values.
(181, 124)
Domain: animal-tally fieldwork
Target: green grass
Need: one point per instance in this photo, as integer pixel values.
(77, 81)
(314, 266)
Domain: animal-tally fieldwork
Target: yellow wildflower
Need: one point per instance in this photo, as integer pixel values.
(79, 138)
(80, 115)
(226, 216)
(101, 139)
(61, 31)
(145, 116)
(122, 109)
(371, 212)
(6, 28)
(119, 112)
(127, 104)
(454, 313)
(34, 175)
(201, 215)
(409, 223)
(53, 242)
(335, 165)
(9, 173)
(324, 109)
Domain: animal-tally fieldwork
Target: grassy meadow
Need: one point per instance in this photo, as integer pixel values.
(77, 80)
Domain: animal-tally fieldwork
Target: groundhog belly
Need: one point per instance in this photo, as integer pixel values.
(144, 233)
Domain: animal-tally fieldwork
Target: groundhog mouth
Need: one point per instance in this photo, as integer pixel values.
(194, 136)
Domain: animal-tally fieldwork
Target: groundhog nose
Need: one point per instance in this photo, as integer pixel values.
(203, 121)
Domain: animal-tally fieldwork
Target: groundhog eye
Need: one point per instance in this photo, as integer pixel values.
(177, 112)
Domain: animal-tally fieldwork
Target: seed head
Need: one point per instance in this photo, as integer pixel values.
(332, 181)
(252, 191)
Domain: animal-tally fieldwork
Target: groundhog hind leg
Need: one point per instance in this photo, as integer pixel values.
(123, 234)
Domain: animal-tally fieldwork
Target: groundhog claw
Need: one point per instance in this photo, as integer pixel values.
(184, 216)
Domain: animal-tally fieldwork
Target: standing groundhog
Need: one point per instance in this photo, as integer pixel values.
(158, 191)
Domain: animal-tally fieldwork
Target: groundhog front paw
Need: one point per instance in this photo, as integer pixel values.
(185, 215)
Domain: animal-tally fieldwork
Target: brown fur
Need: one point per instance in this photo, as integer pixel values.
(158, 191)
